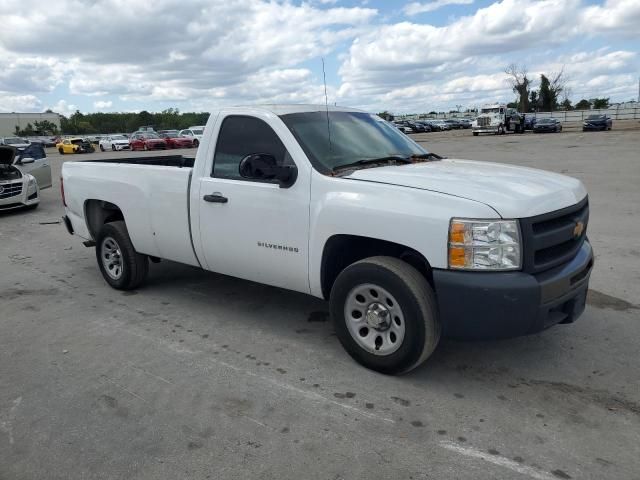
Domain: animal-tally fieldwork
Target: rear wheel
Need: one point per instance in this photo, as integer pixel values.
(102, 148)
(385, 314)
(122, 267)
(196, 143)
(113, 148)
(475, 134)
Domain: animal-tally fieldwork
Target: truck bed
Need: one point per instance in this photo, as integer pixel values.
(151, 192)
(179, 161)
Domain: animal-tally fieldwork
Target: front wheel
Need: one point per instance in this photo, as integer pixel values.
(500, 130)
(122, 267)
(385, 314)
(475, 134)
(196, 143)
(61, 151)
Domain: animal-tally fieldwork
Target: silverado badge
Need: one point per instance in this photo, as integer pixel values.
(577, 230)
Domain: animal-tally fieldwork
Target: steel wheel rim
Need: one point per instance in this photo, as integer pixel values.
(111, 256)
(374, 319)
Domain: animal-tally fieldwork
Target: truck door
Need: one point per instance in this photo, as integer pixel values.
(39, 167)
(251, 229)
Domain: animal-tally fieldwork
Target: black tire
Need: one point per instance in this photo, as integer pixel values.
(196, 143)
(113, 148)
(135, 266)
(475, 134)
(101, 148)
(416, 300)
(61, 151)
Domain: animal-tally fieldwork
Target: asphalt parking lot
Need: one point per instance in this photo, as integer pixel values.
(200, 376)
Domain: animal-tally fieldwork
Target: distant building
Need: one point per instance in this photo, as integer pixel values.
(8, 121)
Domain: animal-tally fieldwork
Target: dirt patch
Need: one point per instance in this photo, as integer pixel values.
(601, 398)
(602, 300)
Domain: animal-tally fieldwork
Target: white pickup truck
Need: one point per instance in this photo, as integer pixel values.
(339, 204)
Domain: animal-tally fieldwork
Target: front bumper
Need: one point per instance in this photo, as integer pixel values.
(510, 304)
(486, 129)
(594, 127)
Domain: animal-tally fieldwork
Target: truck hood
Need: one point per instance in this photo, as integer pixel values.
(7, 155)
(513, 192)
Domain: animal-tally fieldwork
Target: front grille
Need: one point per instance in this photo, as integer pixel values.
(484, 121)
(10, 190)
(552, 239)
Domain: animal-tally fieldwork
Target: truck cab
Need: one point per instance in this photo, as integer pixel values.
(497, 119)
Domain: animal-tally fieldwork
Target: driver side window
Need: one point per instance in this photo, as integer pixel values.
(241, 136)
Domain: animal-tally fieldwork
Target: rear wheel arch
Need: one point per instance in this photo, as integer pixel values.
(99, 212)
(341, 250)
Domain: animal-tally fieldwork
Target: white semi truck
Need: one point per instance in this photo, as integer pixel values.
(497, 119)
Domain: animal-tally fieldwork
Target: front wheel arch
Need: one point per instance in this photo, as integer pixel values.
(342, 250)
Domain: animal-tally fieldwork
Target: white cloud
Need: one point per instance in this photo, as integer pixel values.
(152, 58)
(19, 103)
(63, 108)
(102, 104)
(615, 16)
(415, 8)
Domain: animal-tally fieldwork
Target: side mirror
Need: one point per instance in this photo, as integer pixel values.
(263, 167)
(24, 161)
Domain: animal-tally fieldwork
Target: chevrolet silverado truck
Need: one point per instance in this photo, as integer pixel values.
(405, 245)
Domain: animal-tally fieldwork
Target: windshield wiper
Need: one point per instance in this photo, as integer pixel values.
(426, 156)
(390, 159)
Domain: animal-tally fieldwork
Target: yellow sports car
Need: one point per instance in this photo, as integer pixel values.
(75, 145)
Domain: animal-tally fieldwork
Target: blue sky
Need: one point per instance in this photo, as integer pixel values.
(401, 56)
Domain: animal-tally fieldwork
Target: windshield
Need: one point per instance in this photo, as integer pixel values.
(546, 120)
(595, 117)
(14, 141)
(118, 137)
(490, 110)
(197, 131)
(170, 133)
(354, 136)
(151, 135)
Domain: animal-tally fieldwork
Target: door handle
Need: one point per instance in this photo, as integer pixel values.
(215, 198)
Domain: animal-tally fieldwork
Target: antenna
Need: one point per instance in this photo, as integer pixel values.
(326, 105)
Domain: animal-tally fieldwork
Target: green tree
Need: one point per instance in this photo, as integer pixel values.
(546, 101)
(583, 105)
(533, 101)
(566, 104)
(600, 102)
(45, 127)
(386, 115)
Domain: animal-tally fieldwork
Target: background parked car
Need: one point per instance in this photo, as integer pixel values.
(427, 127)
(147, 141)
(17, 142)
(529, 121)
(75, 145)
(547, 125)
(194, 133)
(466, 122)
(402, 127)
(174, 140)
(597, 122)
(454, 124)
(114, 142)
(439, 125)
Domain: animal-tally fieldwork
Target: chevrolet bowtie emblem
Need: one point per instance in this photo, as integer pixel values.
(578, 229)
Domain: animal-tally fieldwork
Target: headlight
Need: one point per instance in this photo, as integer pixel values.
(484, 244)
